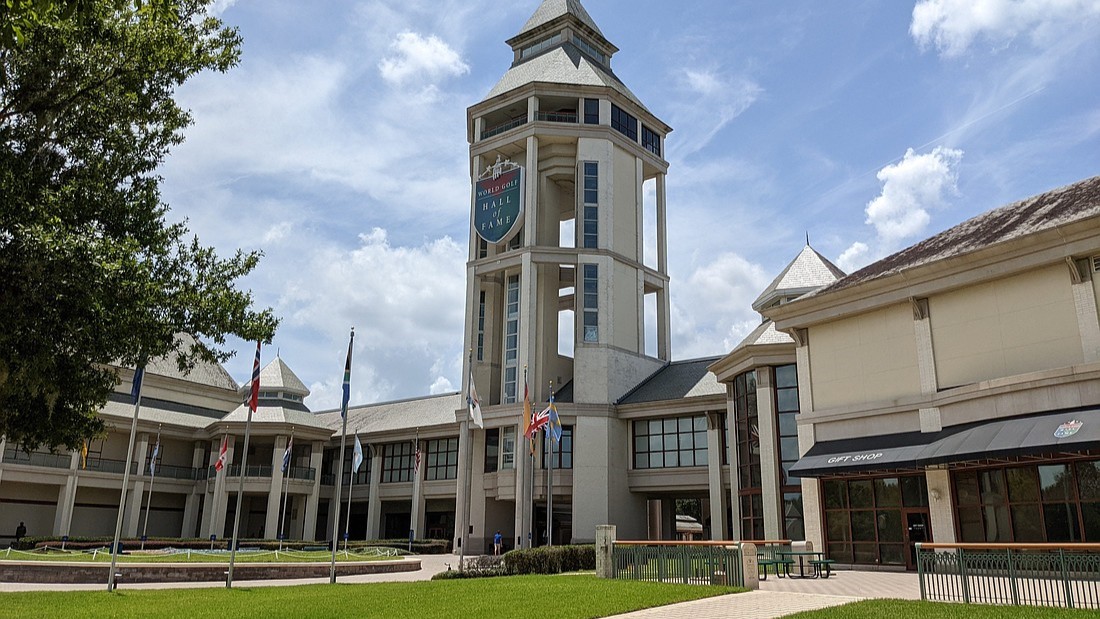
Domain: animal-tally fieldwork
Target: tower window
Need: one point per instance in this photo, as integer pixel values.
(591, 111)
(511, 339)
(651, 140)
(591, 225)
(624, 123)
(540, 47)
(481, 327)
(591, 303)
(590, 49)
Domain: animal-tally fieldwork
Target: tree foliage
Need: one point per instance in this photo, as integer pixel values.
(91, 272)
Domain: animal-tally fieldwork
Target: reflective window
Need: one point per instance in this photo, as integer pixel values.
(590, 224)
(442, 460)
(591, 307)
(397, 462)
(671, 442)
(563, 451)
(624, 123)
(591, 111)
(511, 339)
(864, 520)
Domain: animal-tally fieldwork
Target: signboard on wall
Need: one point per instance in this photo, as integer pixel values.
(498, 204)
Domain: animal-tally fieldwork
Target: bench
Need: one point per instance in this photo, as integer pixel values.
(827, 564)
(767, 556)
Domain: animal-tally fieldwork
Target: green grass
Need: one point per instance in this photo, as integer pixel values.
(897, 609)
(520, 597)
(295, 556)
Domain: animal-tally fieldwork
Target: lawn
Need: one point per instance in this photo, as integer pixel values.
(897, 609)
(178, 556)
(541, 597)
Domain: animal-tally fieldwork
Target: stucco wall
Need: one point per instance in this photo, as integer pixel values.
(627, 206)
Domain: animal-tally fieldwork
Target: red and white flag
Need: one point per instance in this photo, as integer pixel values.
(223, 455)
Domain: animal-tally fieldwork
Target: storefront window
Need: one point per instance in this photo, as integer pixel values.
(864, 518)
(748, 456)
(786, 409)
(1050, 503)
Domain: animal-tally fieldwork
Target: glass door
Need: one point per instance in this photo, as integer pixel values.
(918, 528)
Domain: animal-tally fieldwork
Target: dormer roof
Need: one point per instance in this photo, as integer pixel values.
(552, 11)
(808, 272)
(277, 376)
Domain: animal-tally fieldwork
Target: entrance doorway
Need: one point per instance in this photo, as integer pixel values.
(918, 528)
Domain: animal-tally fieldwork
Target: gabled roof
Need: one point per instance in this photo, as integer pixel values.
(275, 414)
(806, 273)
(561, 65)
(679, 379)
(204, 373)
(401, 415)
(156, 411)
(550, 10)
(764, 335)
(1055, 208)
(277, 375)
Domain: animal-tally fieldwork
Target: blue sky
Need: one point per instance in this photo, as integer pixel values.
(338, 147)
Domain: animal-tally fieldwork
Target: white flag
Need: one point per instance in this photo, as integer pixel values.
(474, 401)
(356, 456)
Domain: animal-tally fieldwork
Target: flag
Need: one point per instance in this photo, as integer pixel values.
(356, 456)
(286, 454)
(84, 455)
(135, 391)
(223, 455)
(527, 413)
(539, 421)
(153, 460)
(416, 460)
(347, 380)
(254, 399)
(554, 422)
(473, 401)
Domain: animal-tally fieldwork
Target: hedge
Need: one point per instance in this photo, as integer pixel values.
(550, 560)
(426, 547)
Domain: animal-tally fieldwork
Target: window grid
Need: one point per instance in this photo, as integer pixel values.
(591, 308)
(651, 140)
(492, 450)
(591, 196)
(540, 46)
(786, 407)
(511, 340)
(508, 449)
(864, 519)
(397, 462)
(591, 111)
(586, 47)
(481, 327)
(672, 442)
(624, 123)
(442, 460)
(563, 450)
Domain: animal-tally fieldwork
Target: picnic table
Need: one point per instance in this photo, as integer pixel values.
(810, 564)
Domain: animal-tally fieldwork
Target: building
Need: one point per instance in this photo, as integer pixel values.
(947, 392)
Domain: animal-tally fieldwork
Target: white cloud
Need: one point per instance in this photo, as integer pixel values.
(711, 99)
(422, 57)
(442, 385)
(909, 189)
(277, 233)
(712, 309)
(854, 258)
(220, 6)
(952, 26)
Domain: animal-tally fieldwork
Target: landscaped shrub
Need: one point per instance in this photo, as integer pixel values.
(427, 547)
(475, 567)
(550, 560)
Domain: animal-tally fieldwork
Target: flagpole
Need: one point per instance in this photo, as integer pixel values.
(549, 434)
(286, 491)
(351, 489)
(152, 480)
(340, 461)
(252, 403)
(139, 375)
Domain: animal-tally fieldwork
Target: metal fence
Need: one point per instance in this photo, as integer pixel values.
(1050, 575)
(699, 563)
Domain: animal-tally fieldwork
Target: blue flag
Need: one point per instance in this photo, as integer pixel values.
(555, 422)
(153, 460)
(135, 391)
(286, 454)
(347, 380)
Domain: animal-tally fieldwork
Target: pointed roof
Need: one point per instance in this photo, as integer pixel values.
(764, 335)
(562, 65)
(690, 378)
(207, 373)
(808, 272)
(277, 376)
(550, 10)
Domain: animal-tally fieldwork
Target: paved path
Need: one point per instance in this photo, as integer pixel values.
(786, 596)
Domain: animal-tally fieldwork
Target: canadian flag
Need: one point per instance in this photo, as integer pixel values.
(223, 455)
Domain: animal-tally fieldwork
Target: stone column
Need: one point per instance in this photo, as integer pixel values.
(605, 544)
(811, 488)
(941, 506)
(374, 502)
(221, 495)
(66, 500)
(309, 522)
(524, 491)
(136, 499)
(714, 476)
(275, 491)
(191, 504)
(1084, 301)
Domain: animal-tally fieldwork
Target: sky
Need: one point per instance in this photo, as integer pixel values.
(338, 148)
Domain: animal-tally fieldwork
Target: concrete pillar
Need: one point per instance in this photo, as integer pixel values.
(811, 492)
(374, 503)
(531, 207)
(66, 501)
(714, 476)
(417, 515)
(653, 506)
(941, 506)
(1084, 301)
(136, 498)
(193, 500)
(309, 522)
(605, 545)
(275, 491)
(769, 456)
(220, 501)
(480, 536)
(750, 567)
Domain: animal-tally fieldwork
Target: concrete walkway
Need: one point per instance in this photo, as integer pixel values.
(786, 596)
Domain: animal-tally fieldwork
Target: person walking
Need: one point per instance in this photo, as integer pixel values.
(20, 531)
(498, 542)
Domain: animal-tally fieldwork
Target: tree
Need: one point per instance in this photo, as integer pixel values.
(92, 275)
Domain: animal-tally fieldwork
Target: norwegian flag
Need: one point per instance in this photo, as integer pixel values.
(223, 455)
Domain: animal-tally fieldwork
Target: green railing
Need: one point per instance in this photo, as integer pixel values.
(50, 460)
(1052, 575)
(699, 563)
(501, 128)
